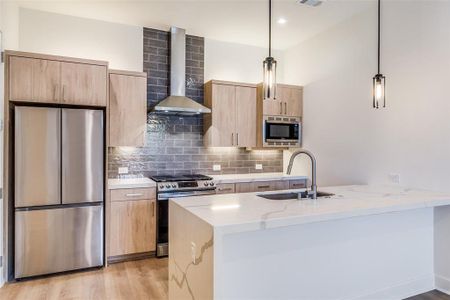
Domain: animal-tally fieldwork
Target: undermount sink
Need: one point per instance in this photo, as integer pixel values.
(292, 196)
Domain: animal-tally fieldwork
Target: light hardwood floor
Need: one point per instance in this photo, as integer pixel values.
(133, 280)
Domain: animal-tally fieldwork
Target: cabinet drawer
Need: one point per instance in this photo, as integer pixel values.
(225, 188)
(264, 186)
(297, 184)
(133, 194)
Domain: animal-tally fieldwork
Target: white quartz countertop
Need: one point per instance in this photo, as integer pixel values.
(234, 178)
(230, 213)
(130, 183)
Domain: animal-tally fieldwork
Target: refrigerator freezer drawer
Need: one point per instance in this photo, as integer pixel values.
(56, 240)
(82, 156)
(37, 156)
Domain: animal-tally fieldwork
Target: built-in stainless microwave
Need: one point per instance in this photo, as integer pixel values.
(279, 131)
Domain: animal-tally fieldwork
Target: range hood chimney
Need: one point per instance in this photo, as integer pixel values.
(177, 103)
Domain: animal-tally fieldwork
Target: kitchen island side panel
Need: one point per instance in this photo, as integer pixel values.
(384, 256)
(191, 243)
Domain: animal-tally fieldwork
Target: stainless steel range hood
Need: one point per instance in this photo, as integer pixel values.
(177, 103)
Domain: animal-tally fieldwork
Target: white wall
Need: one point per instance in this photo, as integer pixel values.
(49, 33)
(236, 62)
(411, 137)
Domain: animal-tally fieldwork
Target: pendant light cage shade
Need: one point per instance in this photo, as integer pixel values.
(270, 79)
(378, 90)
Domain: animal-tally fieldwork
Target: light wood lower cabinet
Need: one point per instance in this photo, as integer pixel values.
(132, 222)
(226, 188)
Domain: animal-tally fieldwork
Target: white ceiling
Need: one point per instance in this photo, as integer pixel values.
(238, 21)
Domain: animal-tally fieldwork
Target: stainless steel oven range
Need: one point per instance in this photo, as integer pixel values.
(176, 187)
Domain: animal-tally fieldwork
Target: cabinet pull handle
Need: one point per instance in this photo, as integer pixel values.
(232, 139)
(285, 108)
(153, 209)
(237, 139)
(281, 108)
(134, 194)
(225, 189)
(298, 184)
(63, 92)
(263, 186)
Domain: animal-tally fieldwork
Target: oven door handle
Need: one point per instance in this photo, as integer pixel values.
(166, 196)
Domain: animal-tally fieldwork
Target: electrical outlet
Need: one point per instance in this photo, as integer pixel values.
(123, 170)
(394, 178)
(193, 252)
(258, 167)
(217, 167)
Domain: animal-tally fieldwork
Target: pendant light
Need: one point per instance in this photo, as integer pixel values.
(270, 67)
(379, 81)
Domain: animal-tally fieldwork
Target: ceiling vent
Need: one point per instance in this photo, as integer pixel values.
(310, 2)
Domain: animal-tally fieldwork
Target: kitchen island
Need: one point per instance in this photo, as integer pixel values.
(365, 242)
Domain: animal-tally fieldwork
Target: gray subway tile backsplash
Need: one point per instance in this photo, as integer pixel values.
(174, 145)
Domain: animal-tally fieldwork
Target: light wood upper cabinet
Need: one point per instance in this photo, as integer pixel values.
(292, 100)
(246, 116)
(32, 77)
(289, 101)
(83, 84)
(127, 108)
(232, 122)
(34, 80)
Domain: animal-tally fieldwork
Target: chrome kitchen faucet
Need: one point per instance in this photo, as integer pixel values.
(313, 192)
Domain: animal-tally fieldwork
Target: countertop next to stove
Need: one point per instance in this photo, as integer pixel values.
(130, 183)
(235, 178)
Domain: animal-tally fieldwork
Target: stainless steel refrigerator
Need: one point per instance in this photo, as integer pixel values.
(59, 189)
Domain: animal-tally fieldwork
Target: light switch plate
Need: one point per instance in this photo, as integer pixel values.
(258, 167)
(123, 170)
(217, 167)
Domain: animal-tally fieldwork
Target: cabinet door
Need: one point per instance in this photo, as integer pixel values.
(83, 84)
(244, 187)
(281, 185)
(246, 116)
(293, 102)
(224, 115)
(127, 110)
(34, 80)
(272, 107)
(132, 227)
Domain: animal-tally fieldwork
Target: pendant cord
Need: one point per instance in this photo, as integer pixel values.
(270, 28)
(379, 34)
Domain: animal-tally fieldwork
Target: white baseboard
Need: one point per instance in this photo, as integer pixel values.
(442, 284)
(402, 290)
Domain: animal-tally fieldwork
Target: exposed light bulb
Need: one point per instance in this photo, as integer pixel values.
(282, 21)
(379, 85)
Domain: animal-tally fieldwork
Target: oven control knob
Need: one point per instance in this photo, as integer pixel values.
(161, 186)
(211, 183)
(174, 185)
(168, 186)
(205, 184)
